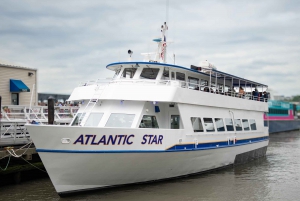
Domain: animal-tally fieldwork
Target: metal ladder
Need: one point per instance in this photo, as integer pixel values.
(92, 102)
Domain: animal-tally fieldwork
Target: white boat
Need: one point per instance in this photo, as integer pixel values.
(153, 121)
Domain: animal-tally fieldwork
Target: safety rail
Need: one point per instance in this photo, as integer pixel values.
(181, 84)
(14, 117)
(95, 82)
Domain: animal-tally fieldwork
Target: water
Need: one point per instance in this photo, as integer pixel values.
(274, 177)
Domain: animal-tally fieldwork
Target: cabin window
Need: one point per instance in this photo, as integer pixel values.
(197, 124)
(180, 76)
(193, 83)
(148, 121)
(229, 124)
(120, 120)
(252, 124)
(78, 119)
(219, 124)
(165, 75)
(278, 111)
(175, 121)
(129, 72)
(245, 124)
(149, 73)
(238, 125)
(93, 119)
(172, 75)
(117, 72)
(209, 124)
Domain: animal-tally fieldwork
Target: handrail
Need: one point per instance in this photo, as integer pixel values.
(14, 117)
(180, 84)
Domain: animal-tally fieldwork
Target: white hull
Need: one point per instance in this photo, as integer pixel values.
(110, 169)
(70, 171)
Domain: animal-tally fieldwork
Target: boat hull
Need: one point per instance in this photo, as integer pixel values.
(84, 171)
(89, 162)
(277, 126)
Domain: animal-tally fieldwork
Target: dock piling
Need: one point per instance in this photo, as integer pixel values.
(50, 110)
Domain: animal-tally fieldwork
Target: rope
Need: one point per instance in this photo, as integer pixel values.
(13, 153)
(33, 165)
(6, 164)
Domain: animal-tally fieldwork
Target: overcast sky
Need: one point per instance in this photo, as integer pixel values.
(73, 41)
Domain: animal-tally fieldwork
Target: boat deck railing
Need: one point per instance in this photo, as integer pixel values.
(14, 117)
(181, 84)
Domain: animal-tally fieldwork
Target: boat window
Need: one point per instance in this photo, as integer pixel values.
(78, 119)
(229, 124)
(209, 124)
(148, 121)
(165, 75)
(197, 124)
(278, 111)
(238, 125)
(175, 121)
(180, 76)
(149, 73)
(173, 75)
(117, 72)
(245, 124)
(120, 120)
(93, 119)
(252, 124)
(129, 72)
(219, 124)
(193, 82)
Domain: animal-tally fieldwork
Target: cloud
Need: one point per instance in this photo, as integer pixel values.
(73, 41)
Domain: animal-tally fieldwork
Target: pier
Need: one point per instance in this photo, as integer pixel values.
(17, 152)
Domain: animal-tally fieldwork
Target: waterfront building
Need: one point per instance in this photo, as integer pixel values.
(18, 85)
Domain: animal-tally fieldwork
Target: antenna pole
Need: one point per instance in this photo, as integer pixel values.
(167, 10)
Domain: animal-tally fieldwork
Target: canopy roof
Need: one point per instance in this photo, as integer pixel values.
(237, 81)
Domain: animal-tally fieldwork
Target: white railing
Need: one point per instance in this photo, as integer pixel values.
(187, 85)
(177, 83)
(13, 119)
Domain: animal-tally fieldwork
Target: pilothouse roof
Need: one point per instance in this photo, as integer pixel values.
(237, 81)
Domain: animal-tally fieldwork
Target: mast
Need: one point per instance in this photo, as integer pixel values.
(163, 43)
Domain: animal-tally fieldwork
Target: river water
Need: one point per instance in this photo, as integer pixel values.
(274, 177)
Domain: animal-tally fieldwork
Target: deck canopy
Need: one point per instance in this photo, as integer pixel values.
(18, 86)
(236, 81)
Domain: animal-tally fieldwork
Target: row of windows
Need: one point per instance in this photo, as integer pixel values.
(124, 120)
(151, 73)
(278, 111)
(148, 73)
(217, 124)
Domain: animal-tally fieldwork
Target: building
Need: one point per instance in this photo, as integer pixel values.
(18, 85)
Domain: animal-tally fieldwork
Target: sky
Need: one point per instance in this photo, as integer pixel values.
(71, 41)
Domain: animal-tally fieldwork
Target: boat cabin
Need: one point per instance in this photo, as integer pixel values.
(165, 96)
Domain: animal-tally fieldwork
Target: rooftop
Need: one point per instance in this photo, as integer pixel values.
(19, 67)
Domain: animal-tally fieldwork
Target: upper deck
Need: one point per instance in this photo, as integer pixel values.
(151, 81)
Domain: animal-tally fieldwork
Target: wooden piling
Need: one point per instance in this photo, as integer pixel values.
(50, 110)
(0, 113)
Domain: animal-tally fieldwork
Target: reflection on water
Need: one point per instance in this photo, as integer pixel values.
(275, 177)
